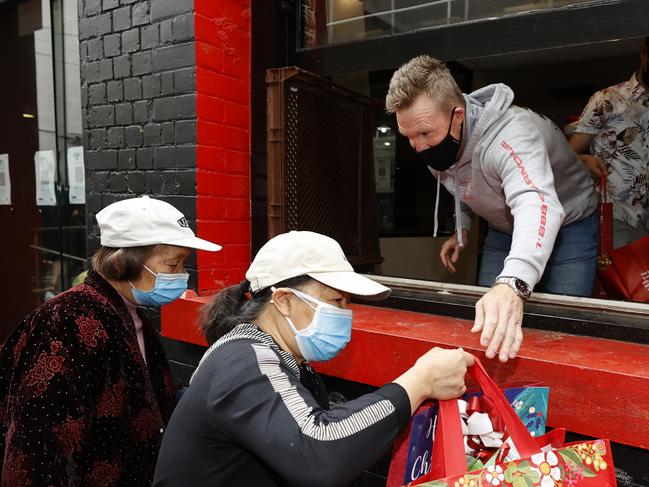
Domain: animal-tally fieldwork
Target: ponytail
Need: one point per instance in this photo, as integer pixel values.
(235, 305)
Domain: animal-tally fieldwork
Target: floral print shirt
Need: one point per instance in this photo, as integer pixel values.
(78, 404)
(618, 116)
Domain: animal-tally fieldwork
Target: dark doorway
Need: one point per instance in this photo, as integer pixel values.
(19, 140)
(43, 250)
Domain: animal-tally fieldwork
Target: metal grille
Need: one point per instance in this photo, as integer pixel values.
(321, 179)
(321, 192)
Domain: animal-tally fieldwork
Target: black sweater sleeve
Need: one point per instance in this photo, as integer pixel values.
(269, 412)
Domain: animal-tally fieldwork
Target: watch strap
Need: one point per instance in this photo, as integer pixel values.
(520, 287)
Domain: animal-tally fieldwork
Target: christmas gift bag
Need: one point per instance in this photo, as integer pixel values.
(623, 272)
(411, 455)
(521, 460)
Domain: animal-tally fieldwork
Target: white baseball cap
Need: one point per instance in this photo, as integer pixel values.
(296, 254)
(143, 221)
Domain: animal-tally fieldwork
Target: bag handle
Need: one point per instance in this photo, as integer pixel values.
(602, 189)
(448, 456)
(605, 219)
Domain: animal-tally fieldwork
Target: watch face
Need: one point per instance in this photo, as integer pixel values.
(521, 286)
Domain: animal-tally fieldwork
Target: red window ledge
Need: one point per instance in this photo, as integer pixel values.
(598, 387)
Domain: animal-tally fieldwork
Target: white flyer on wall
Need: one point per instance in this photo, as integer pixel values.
(5, 180)
(76, 176)
(45, 178)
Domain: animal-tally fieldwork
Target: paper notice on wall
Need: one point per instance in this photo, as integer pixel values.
(45, 178)
(5, 180)
(76, 176)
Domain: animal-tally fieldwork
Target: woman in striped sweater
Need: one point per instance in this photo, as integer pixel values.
(256, 413)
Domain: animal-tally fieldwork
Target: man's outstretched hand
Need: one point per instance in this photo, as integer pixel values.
(499, 315)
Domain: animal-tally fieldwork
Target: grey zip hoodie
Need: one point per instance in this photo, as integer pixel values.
(517, 171)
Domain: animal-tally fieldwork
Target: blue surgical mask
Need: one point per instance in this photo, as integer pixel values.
(167, 288)
(328, 333)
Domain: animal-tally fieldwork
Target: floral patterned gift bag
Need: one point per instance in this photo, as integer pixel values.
(522, 460)
(412, 450)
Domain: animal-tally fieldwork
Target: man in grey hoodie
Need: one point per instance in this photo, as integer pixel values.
(515, 169)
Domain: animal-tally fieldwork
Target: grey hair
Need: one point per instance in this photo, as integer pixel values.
(423, 74)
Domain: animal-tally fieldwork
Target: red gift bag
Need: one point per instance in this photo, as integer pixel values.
(412, 450)
(543, 462)
(623, 273)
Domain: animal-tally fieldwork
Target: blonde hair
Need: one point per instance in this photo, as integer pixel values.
(423, 74)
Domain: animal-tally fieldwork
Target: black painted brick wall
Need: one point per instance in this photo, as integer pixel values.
(138, 88)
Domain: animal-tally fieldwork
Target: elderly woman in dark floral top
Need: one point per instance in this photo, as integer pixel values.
(85, 388)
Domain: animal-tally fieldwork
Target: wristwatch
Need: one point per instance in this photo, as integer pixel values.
(520, 287)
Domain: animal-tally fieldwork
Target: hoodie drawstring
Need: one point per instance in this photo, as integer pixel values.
(435, 222)
(458, 208)
(458, 214)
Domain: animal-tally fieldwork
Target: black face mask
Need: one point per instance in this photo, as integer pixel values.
(443, 155)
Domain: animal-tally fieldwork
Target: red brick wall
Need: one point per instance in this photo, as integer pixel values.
(222, 33)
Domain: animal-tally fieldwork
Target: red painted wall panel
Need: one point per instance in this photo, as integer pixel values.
(223, 32)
